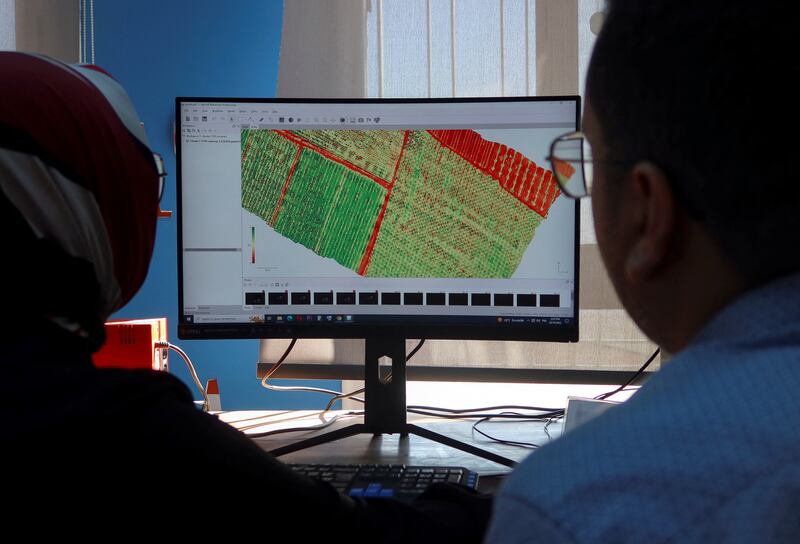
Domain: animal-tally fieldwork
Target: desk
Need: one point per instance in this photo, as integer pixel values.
(395, 449)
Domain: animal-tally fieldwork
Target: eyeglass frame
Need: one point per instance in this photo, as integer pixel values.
(693, 211)
(162, 174)
(551, 158)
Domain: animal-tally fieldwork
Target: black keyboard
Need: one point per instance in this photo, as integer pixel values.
(386, 481)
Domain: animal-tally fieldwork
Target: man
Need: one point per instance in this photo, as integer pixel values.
(696, 201)
(84, 447)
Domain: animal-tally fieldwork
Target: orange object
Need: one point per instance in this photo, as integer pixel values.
(212, 392)
(132, 344)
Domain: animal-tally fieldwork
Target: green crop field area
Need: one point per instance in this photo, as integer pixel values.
(394, 203)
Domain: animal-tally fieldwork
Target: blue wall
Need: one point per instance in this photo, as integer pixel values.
(159, 50)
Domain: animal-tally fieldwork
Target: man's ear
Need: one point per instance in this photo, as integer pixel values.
(654, 213)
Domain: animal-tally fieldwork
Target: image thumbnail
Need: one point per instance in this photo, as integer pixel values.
(398, 203)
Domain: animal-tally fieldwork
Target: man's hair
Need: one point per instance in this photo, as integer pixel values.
(704, 90)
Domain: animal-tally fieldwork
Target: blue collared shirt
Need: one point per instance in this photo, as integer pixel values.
(707, 451)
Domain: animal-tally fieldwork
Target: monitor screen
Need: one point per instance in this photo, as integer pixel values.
(354, 218)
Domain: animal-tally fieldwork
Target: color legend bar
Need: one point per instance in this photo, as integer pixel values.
(253, 245)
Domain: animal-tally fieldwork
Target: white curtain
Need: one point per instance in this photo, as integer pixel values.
(448, 48)
(8, 38)
(322, 49)
(49, 27)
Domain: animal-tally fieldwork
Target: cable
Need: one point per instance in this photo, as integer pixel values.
(275, 368)
(267, 419)
(351, 395)
(468, 410)
(542, 416)
(323, 425)
(179, 351)
(415, 350)
(550, 422)
(298, 388)
(502, 441)
(559, 414)
(277, 365)
(632, 378)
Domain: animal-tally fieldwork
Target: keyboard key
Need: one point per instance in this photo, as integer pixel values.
(373, 490)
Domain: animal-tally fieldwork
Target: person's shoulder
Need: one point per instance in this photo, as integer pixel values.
(680, 447)
(584, 486)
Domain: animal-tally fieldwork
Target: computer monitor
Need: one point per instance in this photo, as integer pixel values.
(375, 219)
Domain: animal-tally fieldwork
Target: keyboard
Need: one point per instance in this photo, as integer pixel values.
(400, 482)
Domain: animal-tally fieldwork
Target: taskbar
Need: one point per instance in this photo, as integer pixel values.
(499, 327)
(374, 319)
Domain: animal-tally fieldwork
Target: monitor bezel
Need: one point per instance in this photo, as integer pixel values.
(506, 331)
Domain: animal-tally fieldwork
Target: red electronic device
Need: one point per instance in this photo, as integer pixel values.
(132, 344)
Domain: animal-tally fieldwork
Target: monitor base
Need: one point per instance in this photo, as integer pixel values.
(385, 404)
(409, 428)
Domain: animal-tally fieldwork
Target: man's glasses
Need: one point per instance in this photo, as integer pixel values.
(571, 160)
(573, 169)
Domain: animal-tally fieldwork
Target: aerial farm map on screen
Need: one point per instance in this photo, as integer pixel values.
(398, 203)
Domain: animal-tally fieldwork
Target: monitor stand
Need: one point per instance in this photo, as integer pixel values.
(385, 404)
